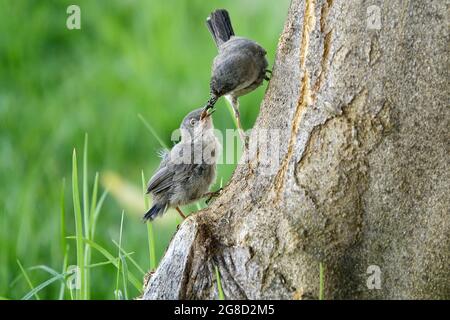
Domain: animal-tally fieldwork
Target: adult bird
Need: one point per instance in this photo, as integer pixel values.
(240, 66)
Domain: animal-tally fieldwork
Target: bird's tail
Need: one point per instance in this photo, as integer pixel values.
(154, 211)
(219, 24)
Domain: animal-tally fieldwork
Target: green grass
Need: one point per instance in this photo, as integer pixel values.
(63, 218)
(81, 292)
(43, 285)
(219, 284)
(120, 265)
(115, 262)
(27, 278)
(147, 58)
(153, 132)
(62, 287)
(128, 255)
(83, 245)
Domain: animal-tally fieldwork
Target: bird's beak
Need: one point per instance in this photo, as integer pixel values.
(205, 114)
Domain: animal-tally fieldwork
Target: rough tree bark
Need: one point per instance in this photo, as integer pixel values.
(363, 177)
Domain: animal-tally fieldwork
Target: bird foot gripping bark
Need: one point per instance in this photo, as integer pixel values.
(267, 74)
(212, 195)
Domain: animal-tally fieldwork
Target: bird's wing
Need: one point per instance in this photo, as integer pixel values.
(161, 180)
(184, 172)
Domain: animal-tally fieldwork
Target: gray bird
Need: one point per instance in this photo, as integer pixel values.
(186, 172)
(239, 68)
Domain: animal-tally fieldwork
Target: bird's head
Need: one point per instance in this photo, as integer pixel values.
(196, 123)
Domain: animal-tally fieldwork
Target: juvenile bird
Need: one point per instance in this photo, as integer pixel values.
(239, 68)
(186, 172)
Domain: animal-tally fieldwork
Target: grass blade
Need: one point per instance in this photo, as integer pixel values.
(85, 189)
(42, 286)
(63, 217)
(78, 227)
(219, 284)
(150, 231)
(97, 212)
(93, 205)
(118, 257)
(86, 219)
(231, 111)
(45, 268)
(124, 277)
(128, 255)
(151, 245)
(132, 279)
(64, 245)
(152, 131)
(118, 295)
(63, 284)
(104, 263)
(27, 278)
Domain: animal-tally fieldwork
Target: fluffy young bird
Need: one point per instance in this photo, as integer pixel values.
(188, 170)
(239, 68)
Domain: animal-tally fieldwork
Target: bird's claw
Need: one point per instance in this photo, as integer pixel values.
(246, 141)
(267, 77)
(213, 195)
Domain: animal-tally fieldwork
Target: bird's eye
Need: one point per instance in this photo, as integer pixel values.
(193, 122)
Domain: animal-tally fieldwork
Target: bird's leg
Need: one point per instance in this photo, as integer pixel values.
(211, 195)
(235, 105)
(180, 213)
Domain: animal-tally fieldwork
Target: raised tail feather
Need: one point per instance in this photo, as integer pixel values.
(219, 24)
(154, 212)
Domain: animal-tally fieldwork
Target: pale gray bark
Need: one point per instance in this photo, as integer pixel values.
(364, 170)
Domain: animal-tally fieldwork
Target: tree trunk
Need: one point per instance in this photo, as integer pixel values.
(363, 176)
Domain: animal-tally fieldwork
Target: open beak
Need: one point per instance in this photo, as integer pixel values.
(205, 114)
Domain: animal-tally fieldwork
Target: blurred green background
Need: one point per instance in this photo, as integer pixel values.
(130, 57)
